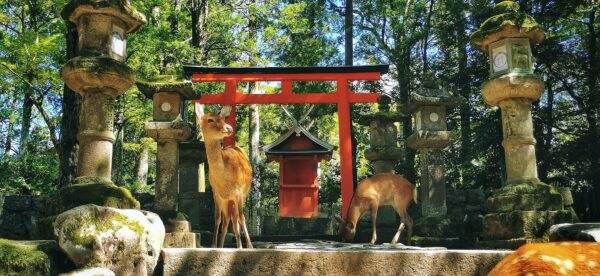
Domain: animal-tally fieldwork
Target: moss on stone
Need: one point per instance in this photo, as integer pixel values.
(24, 257)
(506, 15)
(166, 83)
(99, 224)
(366, 119)
(101, 194)
(506, 6)
(99, 65)
(119, 5)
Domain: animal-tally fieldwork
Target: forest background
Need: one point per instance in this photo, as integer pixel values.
(420, 39)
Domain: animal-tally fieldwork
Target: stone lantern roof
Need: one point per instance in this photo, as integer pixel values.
(167, 83)
(116, 8)
(384, 113)
(507, 22)
(431, 94)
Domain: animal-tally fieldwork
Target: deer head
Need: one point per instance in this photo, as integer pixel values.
(347, 229)
(214, 127)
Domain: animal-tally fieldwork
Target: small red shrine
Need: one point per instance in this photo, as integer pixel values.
(298, 153)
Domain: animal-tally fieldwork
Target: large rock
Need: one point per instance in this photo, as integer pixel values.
(127, 242)
(589, 232)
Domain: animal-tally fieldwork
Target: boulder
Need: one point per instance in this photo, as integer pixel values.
(127, 242)
(589, 232)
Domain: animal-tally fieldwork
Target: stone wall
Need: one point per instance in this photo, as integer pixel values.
(26, 217)
(20, 216)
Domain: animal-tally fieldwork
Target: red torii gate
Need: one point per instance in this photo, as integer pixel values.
(343, 97)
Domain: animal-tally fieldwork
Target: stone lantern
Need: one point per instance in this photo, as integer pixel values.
(169, 129)
(430, 135)
(99, 75)
(384, 154)
(524, 207)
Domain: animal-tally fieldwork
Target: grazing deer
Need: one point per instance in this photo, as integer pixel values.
(556, 258)
(380, 189)
(230, 176)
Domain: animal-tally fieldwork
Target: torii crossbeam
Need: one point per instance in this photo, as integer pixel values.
(343, 97)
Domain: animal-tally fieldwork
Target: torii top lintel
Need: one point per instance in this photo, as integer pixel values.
(343, 97)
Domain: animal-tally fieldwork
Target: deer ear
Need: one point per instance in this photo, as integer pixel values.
(338, 218)
(226, 111)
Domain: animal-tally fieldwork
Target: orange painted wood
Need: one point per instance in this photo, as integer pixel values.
(346, 172)
(322, 98)
(283, 77)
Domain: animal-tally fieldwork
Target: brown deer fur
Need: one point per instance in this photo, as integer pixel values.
(230, 176)
(380, 189)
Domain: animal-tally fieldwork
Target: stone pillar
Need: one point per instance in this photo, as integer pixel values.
(524, 207)
(191, 155)
(433, 183)
(384, 154)
(519, 143)
(99, 75)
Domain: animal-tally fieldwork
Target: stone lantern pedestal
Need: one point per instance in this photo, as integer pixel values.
(384, 154)
(99, 75)
(169, 129)
(430, 136)
(524, 208)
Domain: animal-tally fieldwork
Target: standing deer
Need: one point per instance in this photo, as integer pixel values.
(380, 189)
(230, 176)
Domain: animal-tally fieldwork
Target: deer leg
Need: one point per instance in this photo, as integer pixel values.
(236, 228)
(409, 226)
(406, 221)
(245, 229)
(374, 208)
(398, 233)
(224, 228)
(217, 224)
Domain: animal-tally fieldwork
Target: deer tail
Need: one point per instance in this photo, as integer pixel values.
(415, 195)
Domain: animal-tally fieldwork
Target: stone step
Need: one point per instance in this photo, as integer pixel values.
(328, 261)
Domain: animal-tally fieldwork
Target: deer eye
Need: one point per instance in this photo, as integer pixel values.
(210, 121)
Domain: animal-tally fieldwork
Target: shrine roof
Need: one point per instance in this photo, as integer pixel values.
(197, 69)
(276, 148)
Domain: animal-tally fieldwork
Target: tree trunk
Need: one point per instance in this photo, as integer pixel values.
(254, 139)
(27, 108)
(117, 169)
(408, 162)
(69, 124)
(10, 129)
(142, 166)
(592, 113)
(199, 25)
(349, 34)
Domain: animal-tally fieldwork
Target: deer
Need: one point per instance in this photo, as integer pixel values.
(555, 258)
(380, 189)
(230, 176)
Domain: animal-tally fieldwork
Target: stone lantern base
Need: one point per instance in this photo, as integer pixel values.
(521, 213)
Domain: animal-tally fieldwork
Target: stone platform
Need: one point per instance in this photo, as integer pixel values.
(329, 258)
